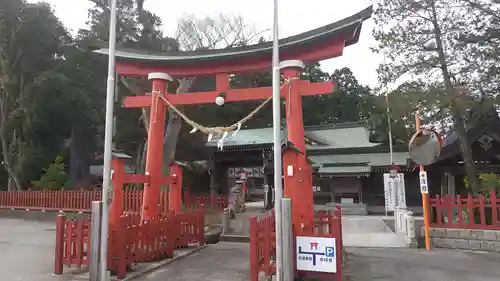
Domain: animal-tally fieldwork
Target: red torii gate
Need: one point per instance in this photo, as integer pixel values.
(319, 44)
(295, 186)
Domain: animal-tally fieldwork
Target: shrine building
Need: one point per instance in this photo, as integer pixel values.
(348, 167)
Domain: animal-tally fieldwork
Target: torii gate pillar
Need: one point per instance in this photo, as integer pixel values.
(297, 173)
(154, 155)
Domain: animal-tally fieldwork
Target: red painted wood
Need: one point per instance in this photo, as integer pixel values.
(154, 154)
(131, 240)
(81, 200)
(326, 50)
(59, 249)
(175, 191)
(474, 212)
(298, 187)
(232, 95)
(116, 208)
(263, 247)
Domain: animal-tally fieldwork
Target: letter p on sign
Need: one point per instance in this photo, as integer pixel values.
(330, 252)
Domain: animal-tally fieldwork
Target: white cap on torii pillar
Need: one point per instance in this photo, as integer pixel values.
(160, 76)
(292, 64)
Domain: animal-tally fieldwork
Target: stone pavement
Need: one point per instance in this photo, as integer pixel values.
(27, 250)
(369, 231)
(224, 261)
(365, 264)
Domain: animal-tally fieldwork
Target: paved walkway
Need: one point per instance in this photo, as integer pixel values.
(27, 250)
(223, 261)
(367, 231)
(366, 264)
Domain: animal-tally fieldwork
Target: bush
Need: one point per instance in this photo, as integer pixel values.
(489, 182)
(54, 177)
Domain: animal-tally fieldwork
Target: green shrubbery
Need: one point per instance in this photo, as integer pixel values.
(54, 177)
(489, 182)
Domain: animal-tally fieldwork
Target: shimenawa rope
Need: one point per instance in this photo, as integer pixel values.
(235, 127)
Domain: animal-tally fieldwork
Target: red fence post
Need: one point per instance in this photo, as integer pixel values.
(120, 236)
(254, 258)
(175, 192)
(494, 208)
(336, 223)
(201, 226)
(116, 208)
(59, 252)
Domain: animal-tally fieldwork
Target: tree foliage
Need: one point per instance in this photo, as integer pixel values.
(52, 87)
(426, 40)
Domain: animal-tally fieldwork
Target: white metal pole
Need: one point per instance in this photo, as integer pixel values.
(389, 127)
(95, 240)
(277, 145)
(287, 242)
(108, 140)
(390, 145)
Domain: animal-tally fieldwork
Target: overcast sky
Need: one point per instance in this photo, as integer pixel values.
(294, 16)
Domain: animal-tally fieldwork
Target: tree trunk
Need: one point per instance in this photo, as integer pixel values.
(79, 167)
(174, 126)
(14, 181)
(457, 112)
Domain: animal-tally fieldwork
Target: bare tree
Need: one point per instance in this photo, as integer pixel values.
(193, 33)
(216, 32)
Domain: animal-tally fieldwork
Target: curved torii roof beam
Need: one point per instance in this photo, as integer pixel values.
(319, 44)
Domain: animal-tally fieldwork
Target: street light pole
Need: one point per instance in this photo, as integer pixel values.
(390, 128)
(108, 141)
(391, 155)
(278, 189)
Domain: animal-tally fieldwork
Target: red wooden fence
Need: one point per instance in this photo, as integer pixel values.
(50, 200)
(466, 213)
(130, 242)
(72, 243)
(81, 200)
(263, 247)
(213, 202)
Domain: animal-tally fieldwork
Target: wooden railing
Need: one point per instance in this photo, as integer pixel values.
(263, 245)
(72, 243)
(212, 202)
(129, 241)
(81, 200)
(469, 212)
(50, 200)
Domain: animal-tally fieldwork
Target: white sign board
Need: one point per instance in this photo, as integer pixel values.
(249, 172)
(390, 188)
(424, 185)
(317, 254)
(401, 190)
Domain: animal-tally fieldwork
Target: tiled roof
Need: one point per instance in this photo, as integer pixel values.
(344, 135)
(345, 170)
(373, 159)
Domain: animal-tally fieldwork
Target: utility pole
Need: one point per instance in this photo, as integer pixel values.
(278, 186)
(108, 141)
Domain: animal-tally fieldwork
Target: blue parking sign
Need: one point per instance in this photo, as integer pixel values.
(330, 252)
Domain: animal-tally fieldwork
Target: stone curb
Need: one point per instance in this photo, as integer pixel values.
(153, 267)
(235, 238)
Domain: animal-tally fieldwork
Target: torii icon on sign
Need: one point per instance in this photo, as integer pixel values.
(313, 245)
